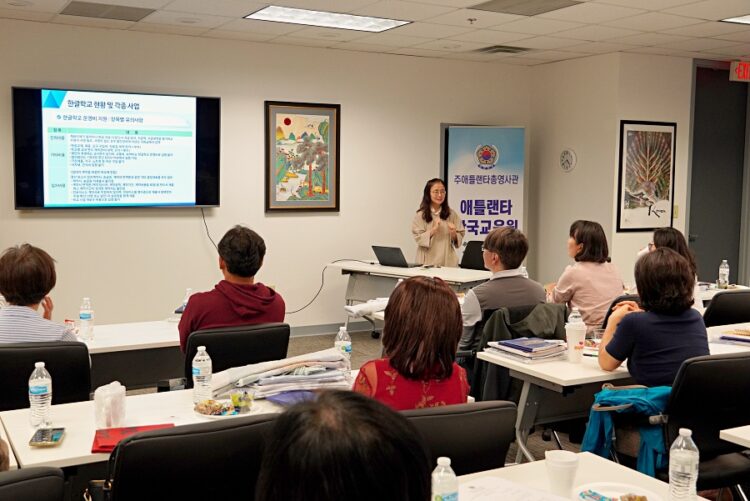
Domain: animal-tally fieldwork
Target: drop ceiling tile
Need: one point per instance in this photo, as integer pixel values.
(653, 21)
(555, 55)
(409, 51)
(456, 4)
(54, 6)
(591, 12)
(26, 15)
(648, 39)
(261, 27)
(538, 26)
(186, 19)
(331, 34)
(707, 29)
(228, 8)
(647, 4)
(429, 30)
(713, 10)
(600, 47)
(238, 35)
(326, 5)
(449, 46)
(482, 19)
(736, 50)
(115, 24)
(699, 44)
(144, 4)
(547, 43)
(522, 61)
(392, 39)
(741, 36)
(405, 11)
(596, 32)
(362, 47)
(304, 42)
(168, 28)
(490, 37)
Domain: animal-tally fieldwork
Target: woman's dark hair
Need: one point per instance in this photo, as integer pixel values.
(422, 327)
(665, 281)
(425, 207)
(673, 239)
(27, 274)
(591, 235)
(343, 446)
(242, 250)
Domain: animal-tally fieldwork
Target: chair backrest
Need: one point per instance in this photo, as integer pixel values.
(475, 436)
(67, 362)
(728, 307)
(40, 484)
(472, 257)
(237, 346)
(212, 460)
(618, 300)
(709, 394)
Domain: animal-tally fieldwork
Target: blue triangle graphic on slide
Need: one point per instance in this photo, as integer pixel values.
(52, 98)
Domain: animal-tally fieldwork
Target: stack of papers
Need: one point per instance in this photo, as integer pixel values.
(529, 349)
(321, 369)
(737, 335)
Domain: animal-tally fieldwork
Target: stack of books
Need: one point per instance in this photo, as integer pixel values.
(737, 336)
(529, 349)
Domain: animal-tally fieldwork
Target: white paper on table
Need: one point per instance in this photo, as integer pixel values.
(494, 488)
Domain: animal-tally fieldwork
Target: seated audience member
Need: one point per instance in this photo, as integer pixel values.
(592, 282)
(27, 275)
(420, 335)
(4, 456)
(657, 339)
(238, 299)
(343, 446)
(503, 252)
(672, 239)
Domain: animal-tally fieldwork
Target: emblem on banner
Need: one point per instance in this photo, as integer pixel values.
(486, 155)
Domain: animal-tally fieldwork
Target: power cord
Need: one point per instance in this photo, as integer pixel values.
(323, 281)
(208, 233)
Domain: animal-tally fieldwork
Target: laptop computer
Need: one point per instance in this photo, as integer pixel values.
(392, 256)
(472, 258)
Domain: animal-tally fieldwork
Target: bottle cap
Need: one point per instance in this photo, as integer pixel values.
(685, 432)
(444, 461)
(39, 365)
(201, 348)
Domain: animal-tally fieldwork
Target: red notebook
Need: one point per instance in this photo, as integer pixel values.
(106, 439)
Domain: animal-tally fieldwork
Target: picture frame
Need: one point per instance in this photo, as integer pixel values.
(645, 186)
(302, 156)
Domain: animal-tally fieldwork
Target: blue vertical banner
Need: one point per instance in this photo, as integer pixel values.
(484, 173)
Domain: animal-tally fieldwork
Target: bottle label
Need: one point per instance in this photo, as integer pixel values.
(344, 346)
(198, 372)
(451, 496)
(40, 389)
(85, 316)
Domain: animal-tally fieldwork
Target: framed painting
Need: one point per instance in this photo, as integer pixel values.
(645, 194)
(302, 156)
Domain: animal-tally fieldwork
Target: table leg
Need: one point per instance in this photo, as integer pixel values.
(528, 406)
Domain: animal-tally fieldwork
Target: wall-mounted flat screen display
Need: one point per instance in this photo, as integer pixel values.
(92, 149)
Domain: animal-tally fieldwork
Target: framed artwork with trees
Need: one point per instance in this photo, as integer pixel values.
(646, 178)
(302, 156)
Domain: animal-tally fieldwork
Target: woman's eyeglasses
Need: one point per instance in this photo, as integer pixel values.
(438, 192)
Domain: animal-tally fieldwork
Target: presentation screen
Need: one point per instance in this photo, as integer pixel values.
(84, 149)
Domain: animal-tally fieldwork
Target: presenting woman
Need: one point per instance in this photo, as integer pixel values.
(437, 229)
(420, 336)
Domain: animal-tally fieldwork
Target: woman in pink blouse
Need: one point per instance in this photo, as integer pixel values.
(592, 282)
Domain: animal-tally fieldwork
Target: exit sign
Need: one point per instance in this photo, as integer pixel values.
(739, 71)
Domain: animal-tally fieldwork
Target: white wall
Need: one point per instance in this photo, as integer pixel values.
(135, 264)
(579, 104)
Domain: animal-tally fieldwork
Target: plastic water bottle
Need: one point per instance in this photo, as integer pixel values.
(188, 293)
(343, 342)
(723, 281)
(86, 319)
(524, 272)
(40, 396)
(683, 467)
(444, 481)
(202, 370)
(575, 317)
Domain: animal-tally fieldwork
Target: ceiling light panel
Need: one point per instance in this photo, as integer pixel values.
(325, 19)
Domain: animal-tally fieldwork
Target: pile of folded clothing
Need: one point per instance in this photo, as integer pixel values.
(327, 369)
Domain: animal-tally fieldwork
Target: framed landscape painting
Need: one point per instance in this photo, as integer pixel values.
(646, 176)
(302, 156)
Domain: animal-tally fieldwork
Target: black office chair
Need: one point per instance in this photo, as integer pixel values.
(40, 484)
(618, 300)
(472, 257)
(237, 346)
(212, 460)
(476, 436)
(728, 307)
(67, 362)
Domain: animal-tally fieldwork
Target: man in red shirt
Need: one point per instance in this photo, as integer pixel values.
(238, 299)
